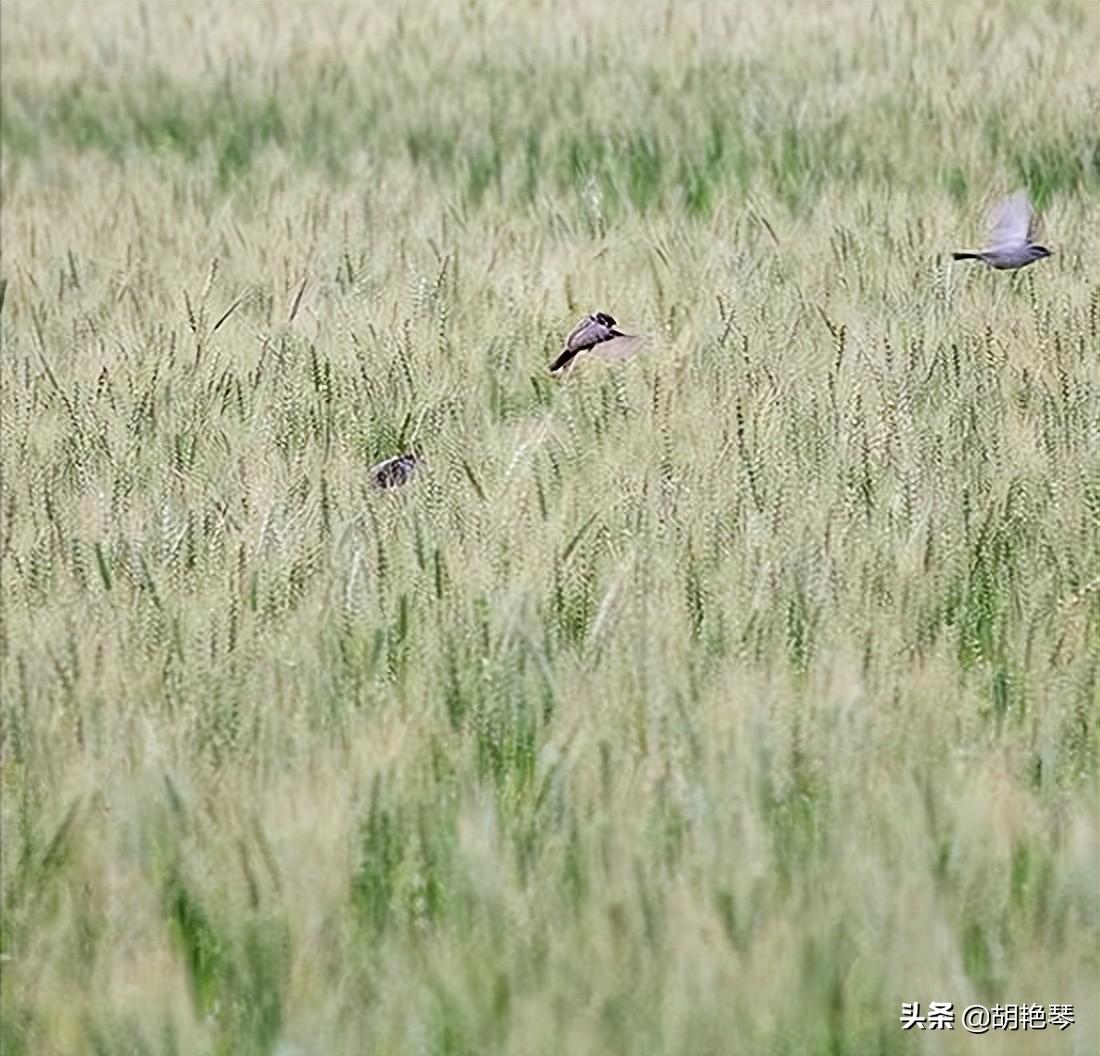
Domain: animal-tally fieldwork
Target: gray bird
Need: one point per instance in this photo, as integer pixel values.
(1010, 237)
(591, 331)
(396, 471)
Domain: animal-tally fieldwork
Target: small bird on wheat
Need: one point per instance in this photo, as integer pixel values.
(395, 472)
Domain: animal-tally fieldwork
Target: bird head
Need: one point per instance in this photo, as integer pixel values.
(604, 319)
(1038, 252)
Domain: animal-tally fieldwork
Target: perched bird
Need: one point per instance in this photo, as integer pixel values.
(592, 330)
(396, 471)
(1010, 237)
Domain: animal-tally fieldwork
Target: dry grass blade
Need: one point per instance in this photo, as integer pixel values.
(227, 313)
(297, 303)
(575, 541)
(471, 476)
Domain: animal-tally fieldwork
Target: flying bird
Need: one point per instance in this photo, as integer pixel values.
(395, 472)
(592, 331)
(1011, 236)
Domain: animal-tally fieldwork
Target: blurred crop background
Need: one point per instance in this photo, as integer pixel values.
(719, 700)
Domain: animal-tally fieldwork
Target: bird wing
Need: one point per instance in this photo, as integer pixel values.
(617, 346)
(1011, 222)
(584, 335)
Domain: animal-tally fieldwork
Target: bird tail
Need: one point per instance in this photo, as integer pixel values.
(563, 360)
(966, 256)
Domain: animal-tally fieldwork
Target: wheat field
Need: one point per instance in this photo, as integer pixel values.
(719, 700)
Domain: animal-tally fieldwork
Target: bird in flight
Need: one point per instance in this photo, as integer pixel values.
(593, 330)
(1012, 230)
(396, 471)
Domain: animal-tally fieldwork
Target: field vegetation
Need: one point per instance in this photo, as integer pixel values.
(715, 701)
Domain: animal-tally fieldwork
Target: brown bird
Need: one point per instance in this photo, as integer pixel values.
(395, 472)
(591, 331)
